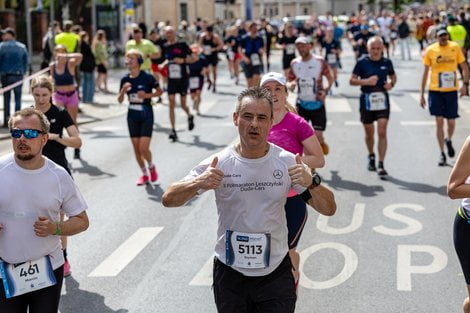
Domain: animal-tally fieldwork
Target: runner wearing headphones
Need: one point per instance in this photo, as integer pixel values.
(140, 88)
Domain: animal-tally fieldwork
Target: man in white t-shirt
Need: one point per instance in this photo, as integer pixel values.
(385, 23)
(34, 191)
(251, 180)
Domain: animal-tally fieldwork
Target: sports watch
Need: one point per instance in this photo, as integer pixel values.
(316, 181)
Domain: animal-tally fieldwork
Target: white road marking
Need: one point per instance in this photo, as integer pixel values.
(394, 107)
(337, 105)
(352, 123)
(417, 123)
(126, 252)
(204, 276)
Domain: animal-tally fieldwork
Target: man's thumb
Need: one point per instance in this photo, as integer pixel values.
(214, 161)
(298, 160)
(42, 218)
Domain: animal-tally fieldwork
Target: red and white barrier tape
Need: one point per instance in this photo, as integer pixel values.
(10, 87)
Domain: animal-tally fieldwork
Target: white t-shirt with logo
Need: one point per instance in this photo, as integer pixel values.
(24, 196)
(251, 199)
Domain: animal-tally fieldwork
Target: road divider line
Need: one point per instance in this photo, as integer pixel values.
(337, 105)
(204, 276)
(394, 107)
(126, 252)
(417, 123)
(352, 123)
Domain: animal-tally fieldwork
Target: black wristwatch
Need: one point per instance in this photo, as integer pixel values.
(316, 181)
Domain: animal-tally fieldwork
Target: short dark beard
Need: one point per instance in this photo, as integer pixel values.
(26, 157)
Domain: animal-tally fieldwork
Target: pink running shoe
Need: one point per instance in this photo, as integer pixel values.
(67, 271)
(142, 180)
(153, 174)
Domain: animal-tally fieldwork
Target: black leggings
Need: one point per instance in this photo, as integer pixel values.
(461, 238)
(40, 301)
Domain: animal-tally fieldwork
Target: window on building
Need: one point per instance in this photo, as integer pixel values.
(183, 11)
(306, 11)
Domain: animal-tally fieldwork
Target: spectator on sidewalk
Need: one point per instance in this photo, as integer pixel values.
(13, 66)
(67, 38)
(48, 44)
(99, 48)
(87, 68)
(403, 38)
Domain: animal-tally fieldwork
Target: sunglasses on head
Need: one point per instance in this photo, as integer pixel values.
(28, 133)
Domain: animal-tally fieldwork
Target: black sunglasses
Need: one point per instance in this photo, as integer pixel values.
(28, 133)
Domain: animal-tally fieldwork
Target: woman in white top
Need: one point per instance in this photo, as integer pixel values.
(458, 187)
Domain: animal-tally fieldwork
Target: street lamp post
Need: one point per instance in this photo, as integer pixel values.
(29, 37)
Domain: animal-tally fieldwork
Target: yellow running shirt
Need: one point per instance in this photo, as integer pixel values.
(443, 61)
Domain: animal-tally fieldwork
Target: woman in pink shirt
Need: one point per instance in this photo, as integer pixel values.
(291, 132)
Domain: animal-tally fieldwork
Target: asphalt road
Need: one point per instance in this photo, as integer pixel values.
(388, 248)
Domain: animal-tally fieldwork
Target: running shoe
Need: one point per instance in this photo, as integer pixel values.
(209, 84)
(191, 122)
(371, 166)
(325, 148)
(382, 172)
(450, 149)
(67, 271)
(173, 136)
(153, 174)
(442, 159)
(336, 83)
(213, 88)
(76, 154)
(142, 180)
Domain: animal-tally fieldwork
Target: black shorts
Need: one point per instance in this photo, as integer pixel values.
(44, 300)
(212, 59)
(200, 84)
(461, 235)
(237, 293)
(140, 123)
(296, 215)
(286, 60)
(251, 70)
(317, 117)
(178, 86)
(102, 69)
(368, 117)
(444, 104)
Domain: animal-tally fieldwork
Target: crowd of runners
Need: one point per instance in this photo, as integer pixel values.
(179, 60)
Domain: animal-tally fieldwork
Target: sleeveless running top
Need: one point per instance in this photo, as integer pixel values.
(207, 45)
(466, 201)
(63, 79)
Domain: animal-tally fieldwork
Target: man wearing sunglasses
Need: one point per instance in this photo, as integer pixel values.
(34, 191)
(442, 58)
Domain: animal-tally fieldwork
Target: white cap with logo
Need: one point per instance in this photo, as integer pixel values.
(273, 76)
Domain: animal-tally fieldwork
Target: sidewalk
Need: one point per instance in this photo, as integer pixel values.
(106, 105)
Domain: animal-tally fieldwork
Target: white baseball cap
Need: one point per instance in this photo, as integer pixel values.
(303, 39)
(273, 76)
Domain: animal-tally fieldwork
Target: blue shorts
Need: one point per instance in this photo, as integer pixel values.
(140, 123)
(443, 104)
(296, 215)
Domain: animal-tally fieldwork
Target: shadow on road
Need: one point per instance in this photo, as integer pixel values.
(218, 117)
(105, 134)
(77, 300)
(91, 170)
(337, 183)
(418, 187)
(155, 192)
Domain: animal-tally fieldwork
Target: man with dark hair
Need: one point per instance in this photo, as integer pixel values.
(30, 227)
(13, 66)
(251, 181)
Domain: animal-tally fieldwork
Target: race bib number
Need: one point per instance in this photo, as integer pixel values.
(255, 60)
(26, 277)
(447, 80)
(230, 54)
(194, 82)
(331, 58)
(247, 250)
(307, 88)
(290, 48)
(133, 98)
(377, 101)
(207, 50)
(174, 71)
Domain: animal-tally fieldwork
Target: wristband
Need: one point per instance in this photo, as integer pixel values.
(57, 231)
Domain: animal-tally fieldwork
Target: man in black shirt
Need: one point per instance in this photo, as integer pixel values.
(178, 55)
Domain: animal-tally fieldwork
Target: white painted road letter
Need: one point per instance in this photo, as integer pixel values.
(405, 269)
(414, 226)
(356, 222)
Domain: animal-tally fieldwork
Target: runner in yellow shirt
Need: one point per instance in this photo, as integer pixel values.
(443, 58)
(145, 46)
